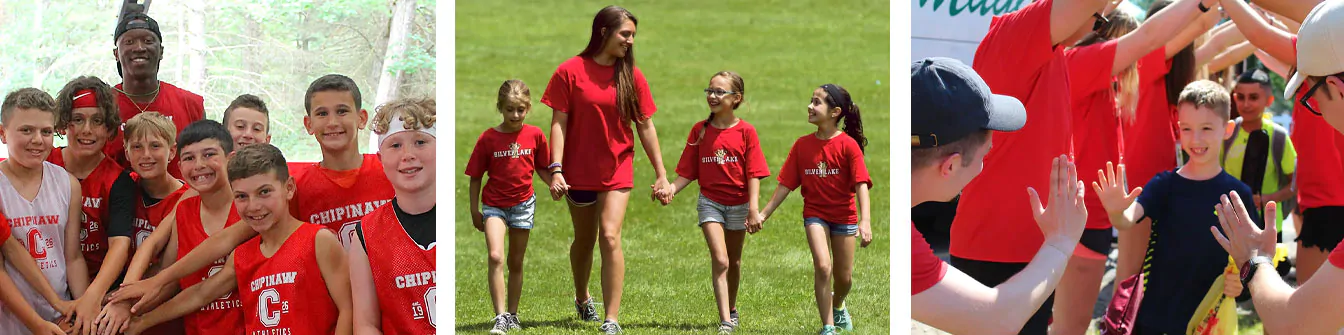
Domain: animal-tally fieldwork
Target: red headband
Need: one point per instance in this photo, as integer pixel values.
(84, 98)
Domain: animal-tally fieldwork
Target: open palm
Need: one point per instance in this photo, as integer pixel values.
(1110, 188)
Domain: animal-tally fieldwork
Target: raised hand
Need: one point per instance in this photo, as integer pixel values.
(1240, 237)
(1110, 188)
(1064, 220)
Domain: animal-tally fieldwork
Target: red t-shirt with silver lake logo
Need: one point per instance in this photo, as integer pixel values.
(828, 171)
(510, 159)
(723, 160)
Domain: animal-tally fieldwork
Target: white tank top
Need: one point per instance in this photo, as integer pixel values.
(40, 226)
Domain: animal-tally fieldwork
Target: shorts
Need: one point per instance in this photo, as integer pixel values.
(519, 216)
(992, 274)
(837, 229)
(1094, 244)
(732, 217)
(1322, 227)
(581, 198)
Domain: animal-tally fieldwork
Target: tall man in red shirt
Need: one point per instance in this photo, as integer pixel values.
(139, 49)
(1313, 307)
(953, 118)
(993, 238)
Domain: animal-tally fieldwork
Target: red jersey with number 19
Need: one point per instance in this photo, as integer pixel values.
(224, 316)
(403, 275)
(338, 199)
(285, 294)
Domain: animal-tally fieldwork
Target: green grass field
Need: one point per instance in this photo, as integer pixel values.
(784, 50)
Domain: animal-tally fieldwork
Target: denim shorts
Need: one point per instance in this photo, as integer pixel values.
(837, 229)
(732, 217)
(519, 216)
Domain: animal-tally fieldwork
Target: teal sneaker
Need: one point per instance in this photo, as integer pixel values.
(828, 330)
(842, 319)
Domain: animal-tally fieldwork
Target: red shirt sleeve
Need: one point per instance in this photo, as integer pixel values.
(1017, 46)
(757, 167)
(646, 105)
(480, 158)
(4, 229)
(860, 174)
(557, 90)
(1090, 68)
(788, 174)
(541, 156)
(926, 269)
(686, 165)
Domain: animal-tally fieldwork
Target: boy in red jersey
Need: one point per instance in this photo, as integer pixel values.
(248, 120)
(88, 117)
(12, 300)
(204, 147)
(293, 279)
(393, 285)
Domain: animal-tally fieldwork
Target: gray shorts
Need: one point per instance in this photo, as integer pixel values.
(837, 229)
(732, 217)
(519, 216)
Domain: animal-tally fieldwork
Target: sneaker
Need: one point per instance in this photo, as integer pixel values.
(828, 330)
(610, 327)
(732, 315)
(586, 310)
(842, 319)
(501, 325)
(513, 322)
(726, 328)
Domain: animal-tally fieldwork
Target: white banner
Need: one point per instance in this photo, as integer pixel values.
(953, 28)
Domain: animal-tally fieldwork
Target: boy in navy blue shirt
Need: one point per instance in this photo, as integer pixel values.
(1181, 266)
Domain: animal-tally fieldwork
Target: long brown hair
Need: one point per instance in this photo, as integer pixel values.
(1118, 24)
(838, 97)
(738, 88)
(610, 19)
(1182, 71)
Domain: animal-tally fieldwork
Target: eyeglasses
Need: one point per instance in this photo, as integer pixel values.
(1310, 92)
(1100, 22)
(717, 93)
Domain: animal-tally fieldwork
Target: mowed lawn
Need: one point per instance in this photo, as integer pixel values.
(784, 50)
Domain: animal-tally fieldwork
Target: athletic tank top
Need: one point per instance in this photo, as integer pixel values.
(285, 293)
(95, 188)
(403, 275)
(40, 226)
(321, 201)
(147, 218)
(224, 316)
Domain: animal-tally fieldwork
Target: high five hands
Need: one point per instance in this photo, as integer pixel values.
(1063, 221)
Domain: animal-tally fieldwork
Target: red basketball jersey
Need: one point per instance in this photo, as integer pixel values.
(95, 188)
(224, 316)
(321, 200)
(285, 293)
(147, 218)
(403, 275)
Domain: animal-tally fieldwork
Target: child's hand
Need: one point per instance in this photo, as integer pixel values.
(114, 318)
(865, 233)
(1231, 284)
(1064, 220)
(65, 307)
(1110, 189)
(558, 186)
(47, 328)
(754, 221)
(477, 220)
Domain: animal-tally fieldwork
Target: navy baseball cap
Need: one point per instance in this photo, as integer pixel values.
(950, 101)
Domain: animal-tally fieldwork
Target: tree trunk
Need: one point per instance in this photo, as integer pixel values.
(252, 56)
(389, 80)
(196, 49)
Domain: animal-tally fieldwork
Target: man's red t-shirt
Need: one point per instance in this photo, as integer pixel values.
(723, 160)
(1151, 146)
(1096, 129)
(511, 159)
(178, 105)
(926, 269)
(599, 145)
(403, 275)
(222, 316)
(338, 199)
(828, 171)
(1016, 58)
(285, 294)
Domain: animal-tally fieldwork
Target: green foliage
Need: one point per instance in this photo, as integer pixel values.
(269, 48)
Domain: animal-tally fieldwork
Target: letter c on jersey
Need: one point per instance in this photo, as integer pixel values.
(268, 318)
(431, 297)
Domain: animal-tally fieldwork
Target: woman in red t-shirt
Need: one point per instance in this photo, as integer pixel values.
(724, 154)
(595, 97)
(828, 165)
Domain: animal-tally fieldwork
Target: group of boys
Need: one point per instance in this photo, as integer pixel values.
(299, 264)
